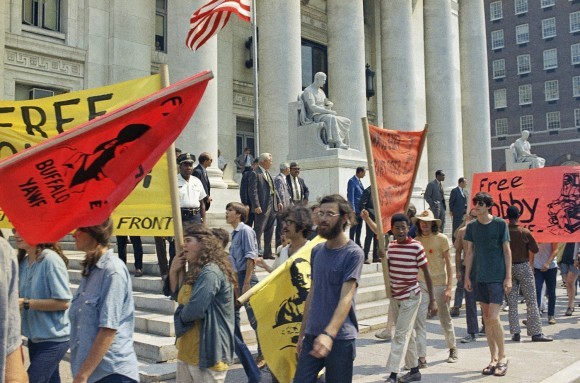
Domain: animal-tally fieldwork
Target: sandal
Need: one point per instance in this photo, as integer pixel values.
(489, 370)
(501, 368)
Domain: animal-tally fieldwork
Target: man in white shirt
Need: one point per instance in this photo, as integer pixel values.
(191, 191)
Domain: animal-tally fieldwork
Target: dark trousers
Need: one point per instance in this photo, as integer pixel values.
(44, 361)
(459, 290)
(279, 229)
(137, 249)
(549, 277)
(265, 225)
(470, 306)
(370, 238)
(116, 378)
(355, 230)
(244, 355)
(338, 363)
(161, 250)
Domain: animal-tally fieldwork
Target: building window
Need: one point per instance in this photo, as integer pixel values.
(549, 28)
(527, 123)
(577, 118)
(500, 98)
(161, 25)
(547, 3)
(497, 39)
(524, 65)
(498, 68)
(576, 86)
(550, 59)
(525, 92)
(522, 34)
(314, 59)
(495, 11)
(575, 22)
(551, 90)
(575, 53)
(553, 120)
(501, 127)
(521, 6)
(44, 14)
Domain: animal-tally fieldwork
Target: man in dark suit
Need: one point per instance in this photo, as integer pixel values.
(245, 193)
(265, 202)
(458, 204)
(200, 172)
(435, 197)
(354, 191)
(298, 190)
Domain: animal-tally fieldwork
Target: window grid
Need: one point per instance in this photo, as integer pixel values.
(522, 34)
(551, 90)
(576, 86)
(547, 3)
(575, 22)
(161, 25)
(498, 68)
(495, 10)
(527, 123)
(500, 98)
(575, 53)
(577, 118)
(44, 14)
(501, 127)
(524, 65)
(553, 120)
(549, 28)
(497, 39)
(521, 6)
(550, 59)
(525, 94)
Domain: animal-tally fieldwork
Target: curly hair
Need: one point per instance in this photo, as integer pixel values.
(211, 251)
(302, 218)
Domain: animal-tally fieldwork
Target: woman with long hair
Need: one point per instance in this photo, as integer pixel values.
(204, 319)
(44, 299)
(102, 313)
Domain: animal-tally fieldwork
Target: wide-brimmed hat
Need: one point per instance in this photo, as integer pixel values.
(426, 216)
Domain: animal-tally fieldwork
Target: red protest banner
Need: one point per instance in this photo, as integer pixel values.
(548, 199)
(396, 155)
(78, 177)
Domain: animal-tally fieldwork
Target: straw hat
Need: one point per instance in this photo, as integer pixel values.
(426, 216)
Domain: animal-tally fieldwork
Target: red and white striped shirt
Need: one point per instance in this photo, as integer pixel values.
(404, 262)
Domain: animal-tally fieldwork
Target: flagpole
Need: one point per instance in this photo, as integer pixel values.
(172, 174)
(377, 206)
(255, 67)
(420, 152)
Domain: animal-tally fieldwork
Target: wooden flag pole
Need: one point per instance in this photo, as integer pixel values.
(421, 144)
(377, 206)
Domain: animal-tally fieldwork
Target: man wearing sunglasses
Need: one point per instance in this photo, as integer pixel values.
(488, 255)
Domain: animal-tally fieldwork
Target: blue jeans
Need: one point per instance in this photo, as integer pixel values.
(338, 363)
(549, 277)
(116, 378)
(44, 360)
(244, 355)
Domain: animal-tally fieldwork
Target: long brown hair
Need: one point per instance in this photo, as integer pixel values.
(40, 247)
(211, 251)
(102, 234)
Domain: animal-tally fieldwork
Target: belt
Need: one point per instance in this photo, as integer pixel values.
(187, 211)
(519, 263)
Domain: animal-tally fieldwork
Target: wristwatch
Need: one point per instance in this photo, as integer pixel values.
(26, 304)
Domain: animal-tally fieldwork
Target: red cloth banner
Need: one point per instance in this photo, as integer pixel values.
(77, 178)
(548, 199)
(395, 154)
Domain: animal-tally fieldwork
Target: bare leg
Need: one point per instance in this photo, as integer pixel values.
(571, 287)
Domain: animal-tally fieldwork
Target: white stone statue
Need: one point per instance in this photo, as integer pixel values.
(523, 153)
(319, 109)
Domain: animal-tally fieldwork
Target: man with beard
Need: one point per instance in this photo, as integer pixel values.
(329, 326)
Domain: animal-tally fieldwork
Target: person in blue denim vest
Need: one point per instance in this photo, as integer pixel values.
(44, 299)
(102, 313)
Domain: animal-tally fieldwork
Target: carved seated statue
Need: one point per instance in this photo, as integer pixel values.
(524, 154)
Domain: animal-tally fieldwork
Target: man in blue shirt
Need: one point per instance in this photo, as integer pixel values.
(354, 192)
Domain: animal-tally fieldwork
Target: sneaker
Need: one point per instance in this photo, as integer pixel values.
(516, 337)
(384, 334)
(138, 273)
(453, 357)
(569, 311)
(408, 377)
(551, 320)
(469, 338)
(261, 362)
(454, 312)
(541, 338)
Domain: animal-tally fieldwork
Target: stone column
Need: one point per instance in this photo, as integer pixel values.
(398, 65)
(201, 133)
(346, 64)
(474, 88)
(280, 73)
(444, 134)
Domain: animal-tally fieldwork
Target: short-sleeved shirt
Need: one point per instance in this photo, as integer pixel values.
(435, 246)
(405, 259)
(488, 257)
(46, 278)
(10, 338)
(190, 192)
(244, 246)
(521, 243)
(543, 255)
(104, 299)
(330, 269)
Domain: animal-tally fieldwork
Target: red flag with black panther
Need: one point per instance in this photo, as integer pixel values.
(77, 178)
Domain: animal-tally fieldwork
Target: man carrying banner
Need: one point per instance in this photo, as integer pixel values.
(329, 326)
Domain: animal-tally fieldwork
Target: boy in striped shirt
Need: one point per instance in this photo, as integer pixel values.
(406, 256)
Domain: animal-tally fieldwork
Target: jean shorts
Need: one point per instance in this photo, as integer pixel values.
(564, 268)
(489, 293)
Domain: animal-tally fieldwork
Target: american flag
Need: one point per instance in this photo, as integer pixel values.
(212, 17)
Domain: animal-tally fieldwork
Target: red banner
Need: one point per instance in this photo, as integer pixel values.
(395, 155)
(548, 199)
(78, 177)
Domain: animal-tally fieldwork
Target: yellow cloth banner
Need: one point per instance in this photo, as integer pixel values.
(147, 210)
(278, 302)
